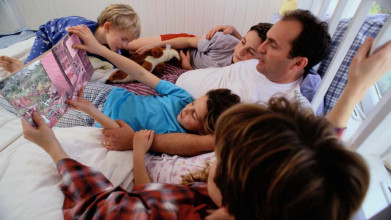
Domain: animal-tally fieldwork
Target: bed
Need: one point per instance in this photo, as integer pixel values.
(29, 179)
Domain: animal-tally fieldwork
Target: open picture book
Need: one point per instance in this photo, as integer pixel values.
(44, 84)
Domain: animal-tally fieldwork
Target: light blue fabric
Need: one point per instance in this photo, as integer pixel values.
(158, 113)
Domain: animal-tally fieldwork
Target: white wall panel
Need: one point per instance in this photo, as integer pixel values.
(159, 16)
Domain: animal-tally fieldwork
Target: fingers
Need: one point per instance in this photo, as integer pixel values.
(363, 50)
(37, 118)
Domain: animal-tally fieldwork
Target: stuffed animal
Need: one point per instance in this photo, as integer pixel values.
(154, 61)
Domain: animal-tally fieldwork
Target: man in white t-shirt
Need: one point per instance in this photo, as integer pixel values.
(293, 45)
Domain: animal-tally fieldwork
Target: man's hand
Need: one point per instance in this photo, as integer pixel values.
(118, 138)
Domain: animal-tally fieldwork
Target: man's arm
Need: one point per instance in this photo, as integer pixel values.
(183, 144)
(174, 143)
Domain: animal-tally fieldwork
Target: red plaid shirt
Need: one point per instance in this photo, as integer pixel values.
(89, 195)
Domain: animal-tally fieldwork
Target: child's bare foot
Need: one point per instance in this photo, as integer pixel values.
(10, 64)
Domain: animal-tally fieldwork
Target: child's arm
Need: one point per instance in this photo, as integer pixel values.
(177, 43)
(364, 71)
(142, 141)
(87, 107)
(128, 66)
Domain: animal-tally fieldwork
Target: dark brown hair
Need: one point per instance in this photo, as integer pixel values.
(277, 162)
(313, 41)
(218, 101)
(261, 29)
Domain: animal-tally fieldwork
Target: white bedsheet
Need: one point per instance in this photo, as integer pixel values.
(29, 182)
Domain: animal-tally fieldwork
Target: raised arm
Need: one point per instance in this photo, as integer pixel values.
(128, 66)
(177, 43)
(364, 71)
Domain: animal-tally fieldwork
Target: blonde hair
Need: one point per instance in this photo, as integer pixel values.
(121, 17)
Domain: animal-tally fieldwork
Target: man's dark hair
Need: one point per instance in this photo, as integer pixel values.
(314, 40)
(261, 29)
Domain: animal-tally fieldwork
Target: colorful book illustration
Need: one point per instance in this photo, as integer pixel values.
(45, 83)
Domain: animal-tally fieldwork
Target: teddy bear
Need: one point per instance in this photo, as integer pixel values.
(153, 61)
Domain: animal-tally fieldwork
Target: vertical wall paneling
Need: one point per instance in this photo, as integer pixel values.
(240, 14)
(161, 17)
(144, 17)
(274, 7)
(199, 17)
(229, 12)
(179, 16)
(152, 15)
(263, 11)
(189, 16)
(170, 16)
(251, 14)
(219, 12)
(208, 16)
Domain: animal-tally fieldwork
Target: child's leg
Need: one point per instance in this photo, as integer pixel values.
(40, 46)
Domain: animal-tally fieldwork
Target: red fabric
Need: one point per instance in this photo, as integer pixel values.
(171, 74)
(89, 195)
(171, 36)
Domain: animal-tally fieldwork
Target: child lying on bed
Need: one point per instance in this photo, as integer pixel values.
(173, 111)
(212, 50)
(273, 162)
(118, 24)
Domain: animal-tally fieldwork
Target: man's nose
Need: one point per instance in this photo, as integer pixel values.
(262, 47)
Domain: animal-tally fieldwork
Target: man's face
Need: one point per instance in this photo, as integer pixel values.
(274, 52)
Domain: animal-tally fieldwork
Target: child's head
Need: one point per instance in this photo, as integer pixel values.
(201, 115)
(281, 163)
(248, 45)
(121, 23)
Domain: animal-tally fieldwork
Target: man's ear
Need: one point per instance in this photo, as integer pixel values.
(107, 26)
(300, 63)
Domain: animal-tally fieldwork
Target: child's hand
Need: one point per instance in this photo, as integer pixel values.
(147, 47)
(142, 141)
(185, 60)
(90, 43)
(81, 104)
(226, 29)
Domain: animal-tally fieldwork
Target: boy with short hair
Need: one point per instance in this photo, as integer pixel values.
(117, 25)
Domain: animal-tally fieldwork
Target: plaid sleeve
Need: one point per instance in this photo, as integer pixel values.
(89, 195)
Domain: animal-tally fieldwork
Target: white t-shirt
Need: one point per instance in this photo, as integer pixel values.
(242, 78)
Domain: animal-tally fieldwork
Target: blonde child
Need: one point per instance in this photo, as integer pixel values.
(117, 25)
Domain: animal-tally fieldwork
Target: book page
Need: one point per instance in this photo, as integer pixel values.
(45, 84)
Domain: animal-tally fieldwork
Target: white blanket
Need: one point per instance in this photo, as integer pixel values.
(29, 182)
